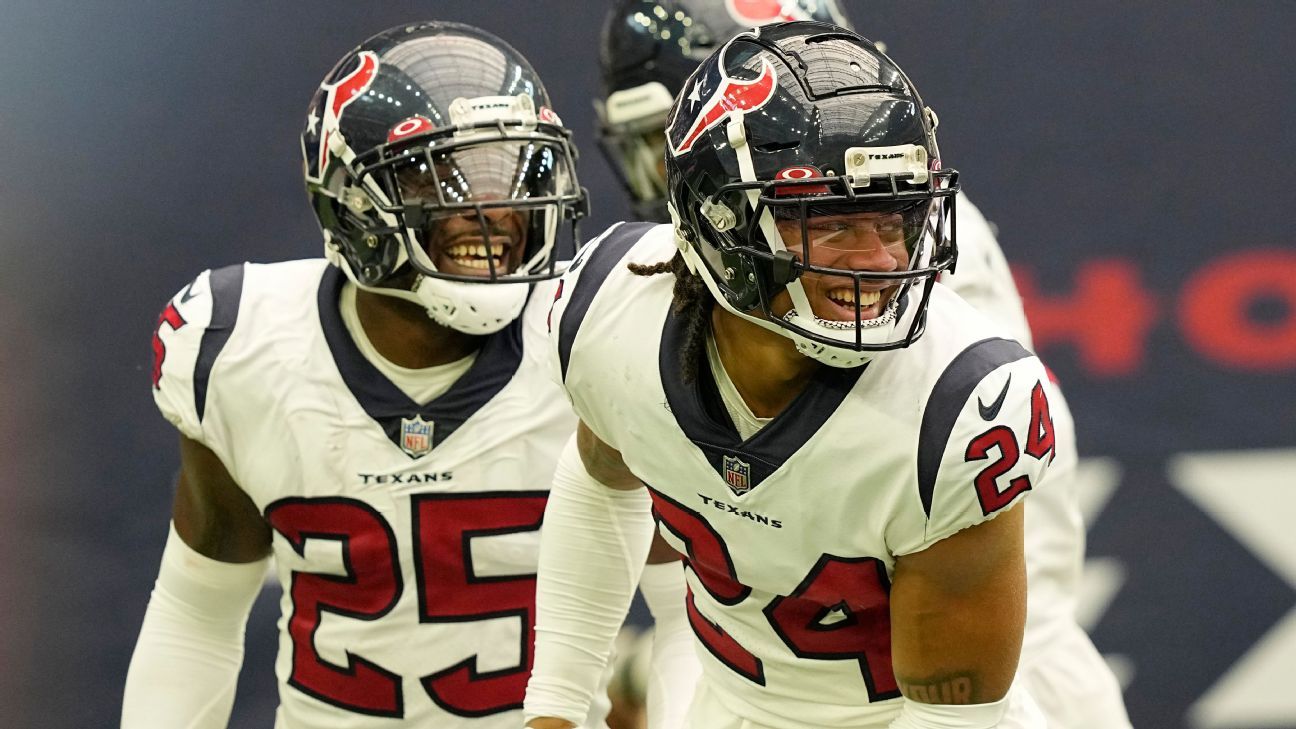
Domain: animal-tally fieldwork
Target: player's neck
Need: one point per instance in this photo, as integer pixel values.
(404, 335)
(765, 367)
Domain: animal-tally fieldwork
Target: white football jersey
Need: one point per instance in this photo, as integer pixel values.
(405, 535)
(792, 536)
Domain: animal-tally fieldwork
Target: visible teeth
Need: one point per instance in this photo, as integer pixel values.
(475, 256)
(481, 263)
(464, 250)
(888, 315)
(847, 296)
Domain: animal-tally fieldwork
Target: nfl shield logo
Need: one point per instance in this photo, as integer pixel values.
(416, 436)
(737, 474)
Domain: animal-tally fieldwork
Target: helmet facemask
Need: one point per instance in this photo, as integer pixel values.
(807, 190)
(472, 212)
(843, 260)
(842, 265)
(434, 131)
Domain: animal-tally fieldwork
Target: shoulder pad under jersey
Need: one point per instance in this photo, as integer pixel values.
(192, 330)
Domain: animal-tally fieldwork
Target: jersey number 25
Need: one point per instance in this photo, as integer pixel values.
(449, 591)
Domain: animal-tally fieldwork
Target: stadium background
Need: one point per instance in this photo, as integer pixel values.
(1132, 154)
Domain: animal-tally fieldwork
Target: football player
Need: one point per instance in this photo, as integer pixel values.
(645, 60)
(837, 444)
(379, 420)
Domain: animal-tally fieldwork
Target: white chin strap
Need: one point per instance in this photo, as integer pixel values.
(470, 308)
(832, 356)
(884, 323)
(473, 308)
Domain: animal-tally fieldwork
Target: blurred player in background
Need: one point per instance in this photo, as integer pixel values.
(380, 419)
(648, 49)
(807, 409)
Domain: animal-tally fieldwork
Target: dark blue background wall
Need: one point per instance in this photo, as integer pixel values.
(1134, 156)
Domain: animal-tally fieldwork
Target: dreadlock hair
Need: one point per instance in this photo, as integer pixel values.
(692, 301)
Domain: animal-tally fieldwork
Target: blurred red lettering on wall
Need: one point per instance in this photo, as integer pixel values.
(1106, 316)
(1108, 313)
(1214, 310)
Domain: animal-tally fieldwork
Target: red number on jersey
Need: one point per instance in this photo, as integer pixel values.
(367, 592)
(841, 611)
(856, 589)
(171, 317)
(1039, 443)
(708, 557)
(1001, 437)
(457, 593)
(449, 590)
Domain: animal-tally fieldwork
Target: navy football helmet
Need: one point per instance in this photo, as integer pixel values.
(807, 190)
(436, 166)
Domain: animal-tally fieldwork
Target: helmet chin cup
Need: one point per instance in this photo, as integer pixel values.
(470, 308)
(464, 307)
(831, 356)
(871, 332)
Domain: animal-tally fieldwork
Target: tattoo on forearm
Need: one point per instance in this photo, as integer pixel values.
(953, 689)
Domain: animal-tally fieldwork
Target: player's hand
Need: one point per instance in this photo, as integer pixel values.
(549, 722)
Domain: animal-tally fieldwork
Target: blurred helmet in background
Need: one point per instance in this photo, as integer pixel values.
(647, 50)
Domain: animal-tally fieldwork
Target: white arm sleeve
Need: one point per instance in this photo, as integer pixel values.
(190, 648)
(917, 715)
(675, 669)
(592, 549)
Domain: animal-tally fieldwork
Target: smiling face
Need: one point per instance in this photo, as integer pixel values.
(467, 245)
(461, 242)
(856, 241)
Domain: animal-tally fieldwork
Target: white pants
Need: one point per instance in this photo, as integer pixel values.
(1072, 684)
(706, 712)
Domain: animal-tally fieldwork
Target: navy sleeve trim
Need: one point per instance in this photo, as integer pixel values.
(226, 286)
(948, 397)
(601, 262)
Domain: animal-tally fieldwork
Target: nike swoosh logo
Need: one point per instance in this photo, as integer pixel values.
(990, 412)
(188, 293)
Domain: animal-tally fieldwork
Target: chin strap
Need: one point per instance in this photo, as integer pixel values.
(358, 194)
(473, 308)
(737, 133)
(466, 307)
